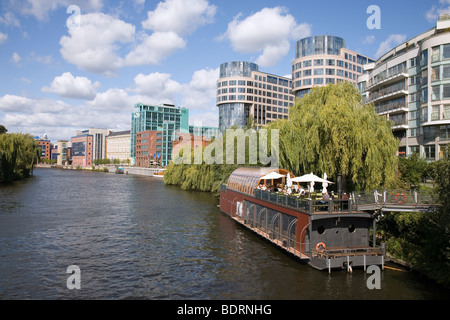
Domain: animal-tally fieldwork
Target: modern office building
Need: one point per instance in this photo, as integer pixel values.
(246, 95)
(98, 142)
(83, 150)
(118, 146)
(166, 118)
(321, 60)
(410, 85)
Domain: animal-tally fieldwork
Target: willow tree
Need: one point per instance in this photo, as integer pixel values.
(18, 153)
(330, 130)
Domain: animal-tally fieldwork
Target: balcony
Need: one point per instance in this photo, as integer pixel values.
(383, 81)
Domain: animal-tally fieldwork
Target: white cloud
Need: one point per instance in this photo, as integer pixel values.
(200, 93)
(158, 87)
(19, 104)
(42, 9)
(93, 47)
(368, 40)
(268, 31)
(432, 15)
(154, 48)
(389, 43)
(16, 58)
(180, 16)
(3, 37)
(9, 19)
(68, 86)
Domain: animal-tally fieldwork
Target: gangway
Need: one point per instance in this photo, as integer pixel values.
(394, 201)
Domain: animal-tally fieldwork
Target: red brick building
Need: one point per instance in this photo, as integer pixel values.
(82, 150)
(148, 148)
(45, 146)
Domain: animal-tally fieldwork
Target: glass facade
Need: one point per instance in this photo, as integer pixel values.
(156, 118)
(233, 114)
(316, 45)
(237, 69)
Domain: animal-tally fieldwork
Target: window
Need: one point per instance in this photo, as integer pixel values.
(444, 132)
(435, 74)
(436, 54)
(435, 113)
(318, 62)
(429, 133)
(318, 80)
(446, 51)
(446, 91)
(446, 72)
(446, 112)
(318, 72)
(307, 82)
(435, 93)
(307, 73)
(307, 63)
(414, 149)
(430, 152)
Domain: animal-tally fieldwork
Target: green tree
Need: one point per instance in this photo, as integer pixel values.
(413, 169)
(330, 130)
(18, 154)
(3, 129)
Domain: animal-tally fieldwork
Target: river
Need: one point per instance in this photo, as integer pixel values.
(134, 237)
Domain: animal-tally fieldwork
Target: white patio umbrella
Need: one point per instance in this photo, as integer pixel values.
(271, 176)
(288, 180)
(310, 178)
(324, 184)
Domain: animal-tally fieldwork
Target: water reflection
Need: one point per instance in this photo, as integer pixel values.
(134, 237)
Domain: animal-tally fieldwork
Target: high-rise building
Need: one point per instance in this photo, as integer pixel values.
(321, 60)
(410, 85)
(165, 118)
(246, 95)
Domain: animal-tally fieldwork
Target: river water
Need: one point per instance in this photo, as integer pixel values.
(134, 237)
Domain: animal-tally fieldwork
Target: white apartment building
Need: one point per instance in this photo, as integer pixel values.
(410, 85)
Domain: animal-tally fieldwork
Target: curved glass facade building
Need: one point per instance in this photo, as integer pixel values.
(310, 46)
(247, 95)
(237, 69)
(321, 60)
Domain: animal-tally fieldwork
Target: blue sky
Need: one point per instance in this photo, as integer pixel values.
(60, 72)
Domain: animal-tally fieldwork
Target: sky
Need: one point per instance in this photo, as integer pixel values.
(67, 65)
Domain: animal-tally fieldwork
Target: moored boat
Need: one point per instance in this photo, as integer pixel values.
(327, 233)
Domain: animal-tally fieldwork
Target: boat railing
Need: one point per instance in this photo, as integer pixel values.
(311, 203)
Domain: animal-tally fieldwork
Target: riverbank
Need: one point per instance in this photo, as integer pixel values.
(149, 172)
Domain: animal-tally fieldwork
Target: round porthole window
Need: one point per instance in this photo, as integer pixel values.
(321, 229)
(351, 228)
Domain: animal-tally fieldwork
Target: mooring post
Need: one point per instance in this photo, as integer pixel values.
(329, 266)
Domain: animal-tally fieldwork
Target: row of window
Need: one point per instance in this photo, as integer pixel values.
(249, 84)
(429, 151)
(319, 81)
(284, 103)
(328, 62)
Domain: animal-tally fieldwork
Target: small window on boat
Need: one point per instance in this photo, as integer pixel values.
(321, 229)
(351, 228)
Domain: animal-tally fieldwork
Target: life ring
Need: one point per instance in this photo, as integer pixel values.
(321, 247)
(398, 198)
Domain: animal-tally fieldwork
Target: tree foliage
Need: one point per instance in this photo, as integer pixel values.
(331, 131)
(18, 153)
(3, 129)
